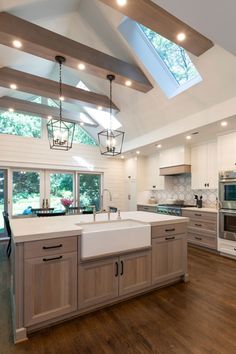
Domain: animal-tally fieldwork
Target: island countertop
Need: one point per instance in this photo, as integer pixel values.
(36, 228)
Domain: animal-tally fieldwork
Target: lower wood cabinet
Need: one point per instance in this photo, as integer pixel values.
(169, 257)
(101, 281)
(50, 287)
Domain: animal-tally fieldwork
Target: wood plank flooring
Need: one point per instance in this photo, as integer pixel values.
(194, 318)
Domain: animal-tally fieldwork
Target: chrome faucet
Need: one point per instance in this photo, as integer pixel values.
(102, 197)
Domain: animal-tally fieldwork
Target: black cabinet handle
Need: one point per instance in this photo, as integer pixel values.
(117, 269)
(198, 238)
(52, 259)
(169, 230)
(122, 268)
(234, 249)
(199, 225)
(51, 247)
(205, 185)
(198, 214)
(170, 238)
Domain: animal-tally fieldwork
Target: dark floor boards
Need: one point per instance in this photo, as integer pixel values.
(194, 318)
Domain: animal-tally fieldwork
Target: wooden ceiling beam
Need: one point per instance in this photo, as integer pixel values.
(48, 88)
(159, 20)
(22, 106)
(46, 44)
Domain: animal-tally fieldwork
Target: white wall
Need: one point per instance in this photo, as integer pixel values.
(18, 151)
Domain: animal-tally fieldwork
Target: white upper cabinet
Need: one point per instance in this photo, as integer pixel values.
(227, 152)
(153, 178)
(204, 166)
(179, 155)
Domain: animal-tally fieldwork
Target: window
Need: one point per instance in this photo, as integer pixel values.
(20, 124)
(2, 199)
(82, 137)
(168, 63)
(25, 191)
(89, 190)
(61, 186)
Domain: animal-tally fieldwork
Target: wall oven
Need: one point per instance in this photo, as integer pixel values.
(228, 224)
(227, 190)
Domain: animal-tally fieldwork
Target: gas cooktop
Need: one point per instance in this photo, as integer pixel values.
(172, 209)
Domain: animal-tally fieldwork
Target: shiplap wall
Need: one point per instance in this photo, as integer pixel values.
(18, 151)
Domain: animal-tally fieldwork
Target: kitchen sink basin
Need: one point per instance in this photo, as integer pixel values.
(112, 237)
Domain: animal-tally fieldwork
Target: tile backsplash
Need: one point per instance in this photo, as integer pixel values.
(179, 187)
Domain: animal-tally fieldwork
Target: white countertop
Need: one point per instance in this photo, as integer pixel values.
(32, 229)
(207, 210)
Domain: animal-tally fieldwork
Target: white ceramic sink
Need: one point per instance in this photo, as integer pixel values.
(113, 237)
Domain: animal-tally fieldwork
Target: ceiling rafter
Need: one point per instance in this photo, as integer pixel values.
(46, 44)
(159, 20)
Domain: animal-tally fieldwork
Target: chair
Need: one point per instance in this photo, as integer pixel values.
(51, 214)
(8, 228)
(41, 210)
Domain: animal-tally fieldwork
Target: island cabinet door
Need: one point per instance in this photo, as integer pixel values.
(169, 257)
(98, 282)
(135, 272)
(50, 287)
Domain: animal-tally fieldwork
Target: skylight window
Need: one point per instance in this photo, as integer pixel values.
(168, 63)
(101, 117)
(174, 56)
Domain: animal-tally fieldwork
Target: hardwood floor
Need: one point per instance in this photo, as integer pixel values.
(198, 317)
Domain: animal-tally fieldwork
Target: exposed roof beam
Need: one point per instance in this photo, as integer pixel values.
(48, 88)
(159, 20)
(42, 110)
(47, 44)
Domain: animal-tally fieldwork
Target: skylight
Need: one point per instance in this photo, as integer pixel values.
(168, 63)
(101, 117)
(174, 56)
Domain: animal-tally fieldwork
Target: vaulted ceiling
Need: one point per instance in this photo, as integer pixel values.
(95, 24)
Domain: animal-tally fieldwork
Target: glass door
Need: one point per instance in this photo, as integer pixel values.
(3, 199)
(89, 190)
(59, 185)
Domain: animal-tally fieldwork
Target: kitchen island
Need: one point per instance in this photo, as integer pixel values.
(66, 266)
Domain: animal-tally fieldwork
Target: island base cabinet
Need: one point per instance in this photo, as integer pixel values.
(135, 272)
(50, 287)
(98, 282)
(169, 258)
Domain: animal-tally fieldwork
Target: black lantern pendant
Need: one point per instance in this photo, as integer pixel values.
(111, 141)
(60, 132)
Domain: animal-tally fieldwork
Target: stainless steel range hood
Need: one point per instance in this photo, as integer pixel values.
(175, 170)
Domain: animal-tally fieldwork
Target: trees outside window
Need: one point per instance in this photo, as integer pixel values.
(20, 124)
(89, 190)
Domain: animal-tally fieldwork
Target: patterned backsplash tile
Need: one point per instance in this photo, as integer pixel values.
(179, 187)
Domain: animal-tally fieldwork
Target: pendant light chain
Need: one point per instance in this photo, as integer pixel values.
(60, 89)
(110, 104)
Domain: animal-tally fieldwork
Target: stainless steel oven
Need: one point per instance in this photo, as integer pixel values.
(228, 224)
(227, 190)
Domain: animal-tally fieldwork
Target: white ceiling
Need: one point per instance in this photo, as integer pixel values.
(95, 24)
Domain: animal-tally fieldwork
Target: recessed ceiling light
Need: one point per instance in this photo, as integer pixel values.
(122, 156)
(188, 137)
(121, 2)
(224, 123)
(81, 123)
(181, 36)
(138, 152)
(159, 146)
(61, 98)
(81, 66)
(100, 108)
(11, 110)
(128, 83)
(13, 86)
(49, 117)
(17, 44)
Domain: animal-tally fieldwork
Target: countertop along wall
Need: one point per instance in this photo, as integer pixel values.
(179, 187)
(21, 152)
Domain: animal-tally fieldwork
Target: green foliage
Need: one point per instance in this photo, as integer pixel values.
(61, 185)
(82, 137)
(89, 188)
(174, 56)
(20, 124)
(25, 184)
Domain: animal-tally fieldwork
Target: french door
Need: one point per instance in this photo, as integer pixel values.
(3, 199)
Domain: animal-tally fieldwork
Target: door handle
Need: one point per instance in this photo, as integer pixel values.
(199, 225)
(52, 259)
(122, 268)
(170, 230)
(51, 247)
(170, 238)
(117, 269)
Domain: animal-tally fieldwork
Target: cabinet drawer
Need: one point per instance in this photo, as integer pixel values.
(169, 230)
(150, 209)
(203, 225)
(227, 247)
(202, 240)
(40, 248)
(199, 215)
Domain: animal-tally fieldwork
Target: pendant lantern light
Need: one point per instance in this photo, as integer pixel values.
(111, 141)
(60, 132)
